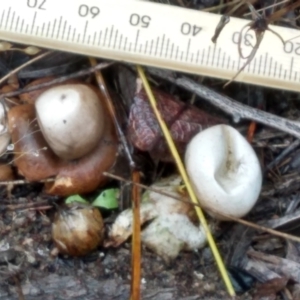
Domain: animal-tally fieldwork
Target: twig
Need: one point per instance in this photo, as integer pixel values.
(186, 200)
(267, 7)
(230, 106)
(24, 206)
(282, 155)
(21, 181)
(183, 173)
(16, 70)
(109, 103)
(56, 80)
(19, 288)
(136, 240)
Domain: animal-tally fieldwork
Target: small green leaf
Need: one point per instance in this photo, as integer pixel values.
(75, 198)
(107, 199)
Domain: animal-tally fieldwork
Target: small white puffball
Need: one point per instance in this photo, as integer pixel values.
(224, 171)
(71, 119)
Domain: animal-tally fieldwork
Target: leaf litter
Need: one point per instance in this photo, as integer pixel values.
(26, 217)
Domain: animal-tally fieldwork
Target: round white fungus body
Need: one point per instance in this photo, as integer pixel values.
(71, 119)
(224, 171)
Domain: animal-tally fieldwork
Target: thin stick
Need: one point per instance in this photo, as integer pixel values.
(230, 106)
(184, 176)
(16, 70)
(185, 200)
(56, 81)
(282, 155)
(109, 103)
(267, 7)
(136, 240)
(20, 182)
(220, 6)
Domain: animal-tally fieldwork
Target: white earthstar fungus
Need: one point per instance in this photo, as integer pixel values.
(71, 119)
(172, 228)
(224, 171)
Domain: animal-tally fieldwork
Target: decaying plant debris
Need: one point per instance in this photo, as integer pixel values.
(35, 180)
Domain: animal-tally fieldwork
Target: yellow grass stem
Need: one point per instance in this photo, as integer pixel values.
(185, 178)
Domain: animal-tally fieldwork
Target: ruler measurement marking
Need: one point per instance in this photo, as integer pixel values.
(270, 66)
(7, 18)
(94, 39)
(213, 58)
(218, 59)
(266, 60)
(64, 30)
(120, 43)
(188, 50)
(207, 61)
(99, 39)
(53, 29)
(104, 40)
(33, 22)
(291, 67)
(275, 68)
(59, 26)
(249, 66)
(151, 45)
(48, 29)
(167, 48)
(22, 25)
(85, 30)
(172, 49)
(136, 40)
(12, 21)
(223, 61)
(125, 43)
(69, 32)
(16, 28)
(259, 65)
(228, 62)
(116, 38)
(202, 56)
(74, 34)
(178, 52)
(111, 34)
(176, 55)
(2, 17)
(157, 44)
(43, 28)
(162, 46)
(197, 58)
(280, 69)
(254, 67)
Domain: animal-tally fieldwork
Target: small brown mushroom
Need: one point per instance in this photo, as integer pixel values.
(77, 229)
(35, 159)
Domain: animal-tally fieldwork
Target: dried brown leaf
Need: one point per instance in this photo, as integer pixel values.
(270, 288)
